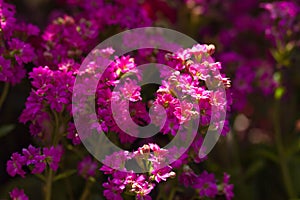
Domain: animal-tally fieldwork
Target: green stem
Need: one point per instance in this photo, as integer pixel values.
(283, 163)
(4, 94)
(69, 189)
(48, 188)
(50, 172)
(87, 190)
(56, 134)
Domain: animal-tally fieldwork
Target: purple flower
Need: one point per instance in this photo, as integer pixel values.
(113, 189)
(130, 90)
(199, 50)
(139, 113)
(205, 112)
(162, 174)
(124, 64)
(18, 194)
(206, 185)
(184, 112)
(281, 9)
(166, 100)
(7, 22)
(227, 188)
(5, 72)
(172, 125)
(31, 154)
(39, 166)
(59, 93)
(33, 157)
(73, 135)
(244, 79)
(142, 187)
(53, 156)
(115, 161)
(33, 107)
(87, 167)
(188, 177)
(24, 52)
(41, 79)
(14, 166)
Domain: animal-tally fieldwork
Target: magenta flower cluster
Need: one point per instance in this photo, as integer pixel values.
(55, 56)
(155, 158)
(15, 46)
(139, 185)
(35, 160)
(206, 184)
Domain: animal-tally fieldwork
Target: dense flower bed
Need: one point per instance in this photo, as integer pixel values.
(255, 43)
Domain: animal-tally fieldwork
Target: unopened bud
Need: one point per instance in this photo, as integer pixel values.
(211, 49)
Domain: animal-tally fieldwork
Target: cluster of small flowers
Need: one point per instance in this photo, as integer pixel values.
(35, 159)
(194, 72)
(64, 44)
(188, 78)
(65, 38)
(15, 45)
(129, 91)
(206, 183)
(52, 92)
(149, 157)
(73, 36)
(103, 13)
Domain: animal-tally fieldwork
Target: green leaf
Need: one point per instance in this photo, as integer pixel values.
(41, 177)
(279, 92)
(277, 77)
(254, 168)
(64, 175)
(5, 129)
(266, 153)
(293, 148)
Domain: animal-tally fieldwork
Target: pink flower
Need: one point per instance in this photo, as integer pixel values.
(162, 174)
(171, 126)
(14, 166)
(166, 100)
(87, 167)
(113, 190)
(7, 22)
(24, 52)
(206, 185)
(142, 187)
(5, 72)
(184, 112)
(281, 9)
(18, 194)
(227, 188)
(53, 156)
(200, 50)
(130, 90)
(124, 64)
(33, 157)
(73, 135)
(188, 177)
